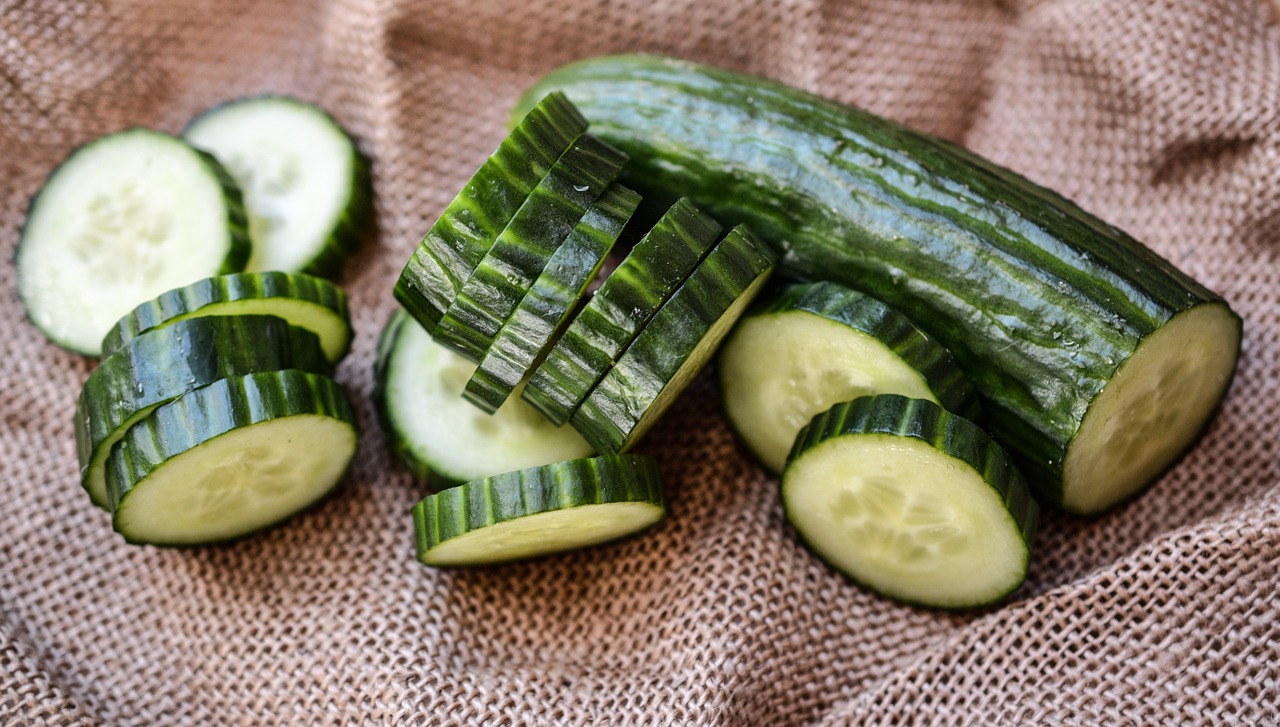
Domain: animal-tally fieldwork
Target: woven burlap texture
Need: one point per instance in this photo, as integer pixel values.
(1160, 116)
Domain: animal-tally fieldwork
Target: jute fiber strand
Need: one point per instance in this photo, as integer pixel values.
(1162, 117)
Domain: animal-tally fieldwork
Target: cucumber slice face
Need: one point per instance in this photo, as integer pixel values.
(231, 458)
(165, 363)
(307, 190)
(121, 220)
(439, 435)
(815, 345)
(539, 511)
(458, 240)
(911, 501)
(653, 269)
(532, 328)
(306, 301)
(675, 344)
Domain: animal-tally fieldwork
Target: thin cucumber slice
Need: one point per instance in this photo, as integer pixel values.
(121, 220)
(539, 511)
(303, 300)
(674, 345)
(629, 297)
(230, 459)
(523, 249)
(442, 438)
(532, 328)
(814, 345)
(307, 189)
(165, 363)
(462, 234)
(911, 501)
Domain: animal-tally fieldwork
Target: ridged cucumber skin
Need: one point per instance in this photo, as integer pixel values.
(197, 298)
(533, 326)
(952, 435)
(357, 213)
(511, 495)
(598, 334)
(655, 367)
(221, 407)
(165, 363)
(523, 249)
(460, 237)
(1039, 301)
(238, 244)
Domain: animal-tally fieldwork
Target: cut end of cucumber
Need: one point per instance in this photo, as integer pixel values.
(1152, 409)
(906, 520)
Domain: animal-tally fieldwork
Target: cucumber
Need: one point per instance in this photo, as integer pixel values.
(521, 251)
(460, 237)
(532, 328)
(1097, 361)
(442, 438)
(539, 511)
(911, 501)
(625, 302)
(307, 189)
(813, 345)
(230, 459)
(303, 300)
(165, 363)
(122, 219)
(674, 345)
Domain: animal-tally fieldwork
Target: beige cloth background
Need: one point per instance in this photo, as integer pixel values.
(1159, 115)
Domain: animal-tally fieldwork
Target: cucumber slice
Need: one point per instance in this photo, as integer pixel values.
(523, 249)
(232, 458)
(538, 511)
(911, 501)
(531, 329)
(675, 344)
(818, 344)
(461, 236)
(306, 187)
(165, 363)
(629, 297)
(303, 300)
(123, 219)
(442, 438)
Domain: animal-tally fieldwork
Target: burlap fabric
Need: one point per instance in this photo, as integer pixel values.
(1160, 116)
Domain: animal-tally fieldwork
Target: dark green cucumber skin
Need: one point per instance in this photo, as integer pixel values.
(460, 237)
(165, 363)
(521, 251)
(900, 416)
(391, 332)
(511, 495)
(609, 416)
(223, 406)
(187, 300)
(1039, 301)
(532, 328)
(658, 263)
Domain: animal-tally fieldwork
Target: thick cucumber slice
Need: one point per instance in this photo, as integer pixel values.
(523, 249)
(534, 512)
(911, 501)
(230, 459)
(303, 300)
(123, 219)
(461, 236)
(531, 329)
(306, 187)
(814, 345)
(440, 436)
(629, 297)
(165, 363)
(674, 345)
